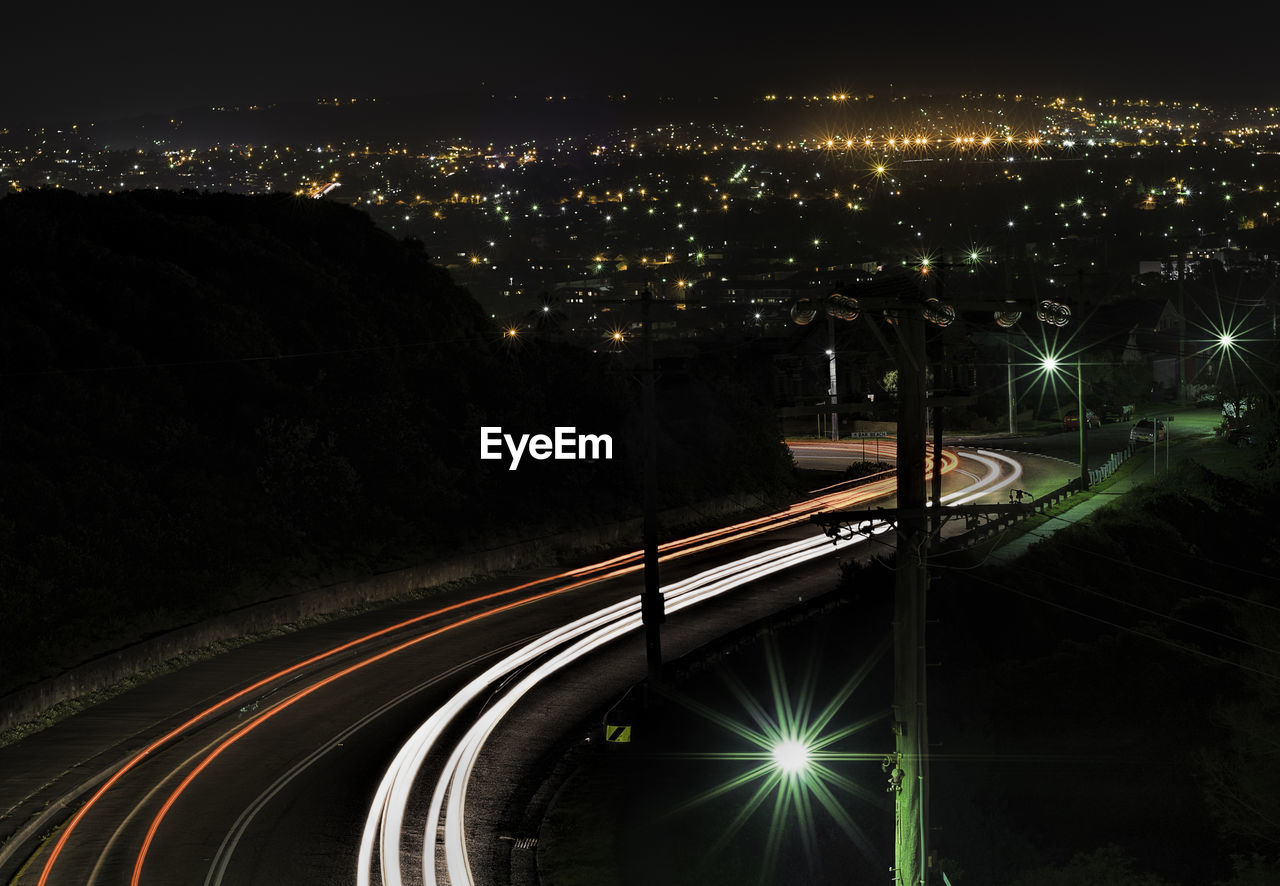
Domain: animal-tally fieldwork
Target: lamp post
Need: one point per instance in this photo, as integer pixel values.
(1009, 382)
(831, 369)
(1051, 365)
(1082, 419)
(907, 310)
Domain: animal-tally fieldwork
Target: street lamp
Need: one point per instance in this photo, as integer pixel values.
(908, 309)
(1051, 364)
(791, 756)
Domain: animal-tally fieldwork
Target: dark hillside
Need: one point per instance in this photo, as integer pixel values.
(208, 397)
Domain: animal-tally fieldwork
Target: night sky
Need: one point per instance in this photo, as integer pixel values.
(101, 61)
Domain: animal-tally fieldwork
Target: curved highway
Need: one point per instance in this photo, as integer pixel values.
(274, 765)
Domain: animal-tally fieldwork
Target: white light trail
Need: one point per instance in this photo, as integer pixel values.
(385, 821)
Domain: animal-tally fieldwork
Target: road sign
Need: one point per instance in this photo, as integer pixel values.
(617, 733)
(857, 434)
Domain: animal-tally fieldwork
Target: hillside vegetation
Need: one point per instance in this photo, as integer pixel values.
(210, 398)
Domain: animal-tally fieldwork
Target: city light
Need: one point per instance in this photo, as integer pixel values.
(936, 182)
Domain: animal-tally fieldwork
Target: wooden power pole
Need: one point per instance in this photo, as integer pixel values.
(901, 300)
(910, 734)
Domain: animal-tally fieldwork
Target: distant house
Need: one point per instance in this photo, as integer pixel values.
(1145, 332)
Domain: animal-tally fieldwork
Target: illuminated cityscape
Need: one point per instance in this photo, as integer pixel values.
(537, 445)
(721, 213)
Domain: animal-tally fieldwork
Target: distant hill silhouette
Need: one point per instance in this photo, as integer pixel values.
(204, 397)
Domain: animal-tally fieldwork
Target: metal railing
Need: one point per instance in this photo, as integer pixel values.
(1111, 465)
(999, 523)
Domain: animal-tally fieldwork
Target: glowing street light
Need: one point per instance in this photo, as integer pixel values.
(791, 756)
(791, 764)
(1052, 365)
(1228, 346)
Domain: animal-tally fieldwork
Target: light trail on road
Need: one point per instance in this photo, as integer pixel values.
(385, 823)
(569, 580)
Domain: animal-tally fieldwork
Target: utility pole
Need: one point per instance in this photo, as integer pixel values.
(1182, 328)
(901, 302)
(652, 611)
(935, 494)
(909, 726)
(831, 364)
(1083, 422)
(1008, 360)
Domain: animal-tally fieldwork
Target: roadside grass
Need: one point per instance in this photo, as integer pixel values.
(1135, 472)
(809, 479)
(1108, 486)
(1213, 508)
(546, 555)
(73, 706)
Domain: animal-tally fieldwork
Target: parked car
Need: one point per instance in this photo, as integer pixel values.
(1148, 430)
(1117, 412)
(1072, 419)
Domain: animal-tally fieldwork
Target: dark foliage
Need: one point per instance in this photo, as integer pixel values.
(1123, 676)
(209, 398)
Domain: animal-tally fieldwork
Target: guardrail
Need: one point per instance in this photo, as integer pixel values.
(1002, 521)
(1109, 468)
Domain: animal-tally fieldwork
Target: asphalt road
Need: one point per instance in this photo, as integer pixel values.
(273, 786)
(1101, 442)
(291, 789)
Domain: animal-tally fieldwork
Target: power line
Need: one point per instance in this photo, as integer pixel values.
(1164, 640)
(1166, 575)
(1147, 610)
